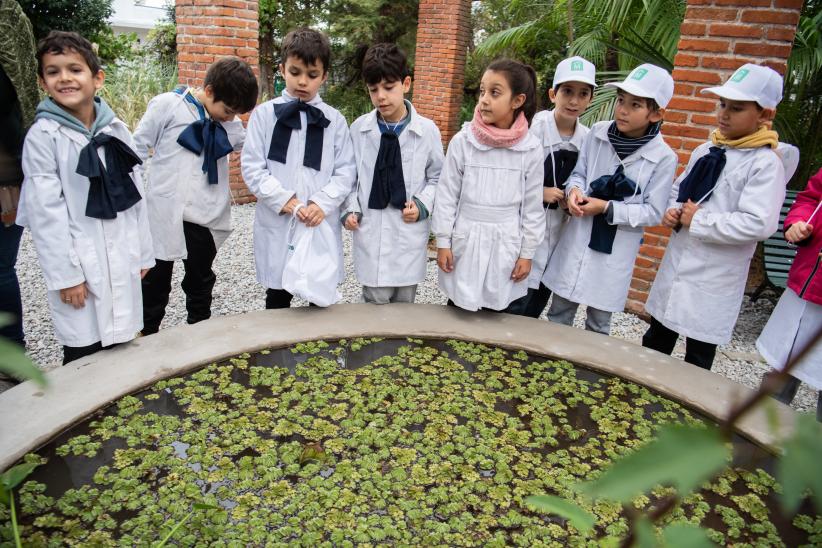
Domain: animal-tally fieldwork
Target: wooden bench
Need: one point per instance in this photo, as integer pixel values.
(778, 254)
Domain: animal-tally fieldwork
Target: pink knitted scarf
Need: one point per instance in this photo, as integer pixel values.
(493, 136)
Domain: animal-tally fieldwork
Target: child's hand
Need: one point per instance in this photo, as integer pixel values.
(445, 259)
(688, 210)
(351, 222)
(593, 206)
(671, 217)
(798, 232)
(311, 215)
(143, 272)
(411, 212)
(521, 269)
(552, 194)
(575, 199)
(289, 206)
(75, 296)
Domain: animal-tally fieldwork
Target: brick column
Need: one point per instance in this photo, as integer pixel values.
(206, 31)
(716, 37)
(443, 36)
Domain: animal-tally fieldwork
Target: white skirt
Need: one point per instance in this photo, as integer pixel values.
(790, 328)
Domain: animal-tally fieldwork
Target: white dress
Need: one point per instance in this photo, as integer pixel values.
(489, 213)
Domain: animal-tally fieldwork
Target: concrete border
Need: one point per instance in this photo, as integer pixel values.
(32, 416)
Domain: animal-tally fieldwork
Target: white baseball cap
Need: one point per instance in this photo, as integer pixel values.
(648, 81)
(575, 69)
(751, 83)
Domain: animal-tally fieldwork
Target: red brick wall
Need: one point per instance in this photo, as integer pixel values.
(717, 36)
(206, 31)
(443, 37)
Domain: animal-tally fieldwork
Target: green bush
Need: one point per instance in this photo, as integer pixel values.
(131, 84)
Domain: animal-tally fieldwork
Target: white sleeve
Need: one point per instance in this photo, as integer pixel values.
(44, 210)
(146, 243)
(150, 127)
(533, 214)
(344, 173)
(579, 176)
(757, 216)
(236, 133)
(449, 187)
(654, 197)
(433, 168)
(265, 186)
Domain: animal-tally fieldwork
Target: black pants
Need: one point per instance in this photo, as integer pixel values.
(198, 281)
(532, 304)
(277, 298)
(662, 339)
(788, 391)
(71, 353)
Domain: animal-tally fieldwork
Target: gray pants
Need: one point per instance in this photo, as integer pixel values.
(385, 295)
(563, 311)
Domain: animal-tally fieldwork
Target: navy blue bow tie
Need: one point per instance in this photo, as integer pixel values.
(702, 177)
(288, 118)
(207, 138)
(111, 188)
(614, 187)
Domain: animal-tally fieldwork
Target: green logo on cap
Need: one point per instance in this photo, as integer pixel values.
(639, 74)
(576, 65)
(739, 75)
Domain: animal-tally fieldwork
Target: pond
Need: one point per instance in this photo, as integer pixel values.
(396, 441)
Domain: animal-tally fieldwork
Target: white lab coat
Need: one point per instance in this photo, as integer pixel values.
(489, 213)
(105, 254)
(274, 183)
(389, 252)
(177, 190)
(544, 128)
(699, 287)
(601, 280)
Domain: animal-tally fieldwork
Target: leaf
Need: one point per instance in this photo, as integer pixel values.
(14, 362)
(12, 477)
(685, 535)
(644, 534)
(682, 456)
(204, 506)
(579, 518)
(798, 469)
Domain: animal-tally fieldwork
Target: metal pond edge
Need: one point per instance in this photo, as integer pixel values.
(32, 416)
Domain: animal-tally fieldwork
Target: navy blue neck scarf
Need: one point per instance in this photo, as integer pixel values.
(388, 184)
(614, 187)
(288, 118)
(560, 163)
(205, 137)
(111, 189)
(703, 176)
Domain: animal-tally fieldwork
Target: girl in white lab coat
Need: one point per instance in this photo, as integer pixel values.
(83, 204)
(399, 158)
(489, 218)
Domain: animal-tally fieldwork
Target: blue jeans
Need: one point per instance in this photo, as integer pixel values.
(10, 301)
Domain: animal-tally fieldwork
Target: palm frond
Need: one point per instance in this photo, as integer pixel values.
(515, 37)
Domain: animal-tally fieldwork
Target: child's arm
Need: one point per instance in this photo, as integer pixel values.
(448, 193)
(236, 133)
(344, 174)
(265, 186)
(806, 203)
(757, 216)
(433, 169)
(44, 210)
(146, 243)
(150, 127)
(578, 180)
(654, 198)
(533, 215)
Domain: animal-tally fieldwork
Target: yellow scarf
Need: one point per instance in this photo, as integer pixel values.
(763, 136)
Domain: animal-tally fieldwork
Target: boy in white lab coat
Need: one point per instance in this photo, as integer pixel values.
(297, 152)
(185, 137)
(727, 200)
(87, 217)
(561, 135)
(619, 186)
(399, 158)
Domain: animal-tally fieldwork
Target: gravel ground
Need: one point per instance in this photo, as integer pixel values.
(237, 291)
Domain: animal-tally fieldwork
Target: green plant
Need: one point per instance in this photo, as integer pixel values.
(10, 479)
(194, 507)
(14, 361)
(131, 84)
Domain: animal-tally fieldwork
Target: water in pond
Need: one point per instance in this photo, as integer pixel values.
(369, 441)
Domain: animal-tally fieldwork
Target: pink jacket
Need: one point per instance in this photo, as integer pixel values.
(805, 275)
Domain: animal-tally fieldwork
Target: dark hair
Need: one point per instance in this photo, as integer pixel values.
(522, 79)
(384, 62)
(59, 42)
(556, 88)
(233, 82)
(308, 45)
(649, 102)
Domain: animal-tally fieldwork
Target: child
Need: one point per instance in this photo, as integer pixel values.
(87, 218)
(726, 200)
(399, 158)
(620, 184)
(489, 219)
(561, 135)
(797, 317)
(298, 151)
(191, 131)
